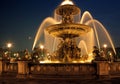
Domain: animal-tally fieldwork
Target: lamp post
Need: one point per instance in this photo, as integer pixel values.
(42, 48)
(105, 46)
(105, 51)
(9, 45)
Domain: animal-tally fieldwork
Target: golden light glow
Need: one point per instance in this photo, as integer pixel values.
(105, 45)
(48, 61)
(9, 45)
(67, 2)
(41, 46)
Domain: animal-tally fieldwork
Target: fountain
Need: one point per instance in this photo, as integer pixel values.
(70, 37)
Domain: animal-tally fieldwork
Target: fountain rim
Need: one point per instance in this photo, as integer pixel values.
(69, 29)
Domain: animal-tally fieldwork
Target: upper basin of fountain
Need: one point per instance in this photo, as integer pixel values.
(68, 30)
(62, 10)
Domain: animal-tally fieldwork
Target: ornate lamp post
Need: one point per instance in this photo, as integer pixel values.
(105, 51)
(42, 48)
(105, 46)
(9, 45)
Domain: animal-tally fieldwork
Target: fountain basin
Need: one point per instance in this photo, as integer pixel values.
(67, 30)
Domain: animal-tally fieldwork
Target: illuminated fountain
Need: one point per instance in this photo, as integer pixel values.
(70, 37)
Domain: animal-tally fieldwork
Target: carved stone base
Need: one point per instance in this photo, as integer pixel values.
(63, 70)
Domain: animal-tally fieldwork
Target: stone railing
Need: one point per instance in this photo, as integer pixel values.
(8, 67)
(63, 69)
(115, 69)
(98, 69)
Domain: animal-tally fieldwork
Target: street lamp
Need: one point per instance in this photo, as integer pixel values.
(105, 52)
(9, 45)
(105, 46)
(42, 49)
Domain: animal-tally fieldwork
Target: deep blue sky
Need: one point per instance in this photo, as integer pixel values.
(20, 19)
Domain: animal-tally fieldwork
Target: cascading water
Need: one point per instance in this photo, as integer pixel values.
(82, 45)
(40, 33)
(101, 39)
(104, 37)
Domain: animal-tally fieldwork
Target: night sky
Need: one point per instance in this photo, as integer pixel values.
(20, 19)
